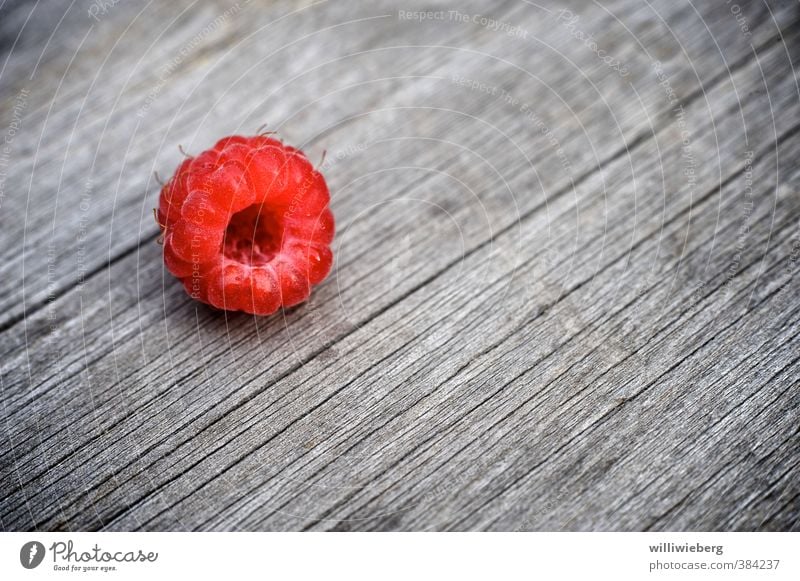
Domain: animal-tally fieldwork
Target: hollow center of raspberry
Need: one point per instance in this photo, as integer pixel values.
(253, 236)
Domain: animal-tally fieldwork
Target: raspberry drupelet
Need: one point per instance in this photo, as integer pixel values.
(246, 225)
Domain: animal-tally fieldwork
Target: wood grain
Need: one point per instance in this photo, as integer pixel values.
(565, 297)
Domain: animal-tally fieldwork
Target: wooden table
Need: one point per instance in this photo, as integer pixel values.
(566, 285)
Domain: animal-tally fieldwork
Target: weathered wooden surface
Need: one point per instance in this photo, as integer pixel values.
(565, 293)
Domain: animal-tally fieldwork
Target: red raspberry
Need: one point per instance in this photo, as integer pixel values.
(247, 226)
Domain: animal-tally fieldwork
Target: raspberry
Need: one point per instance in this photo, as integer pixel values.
(246, 225)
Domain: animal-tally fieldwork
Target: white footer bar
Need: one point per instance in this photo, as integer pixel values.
(378, 556)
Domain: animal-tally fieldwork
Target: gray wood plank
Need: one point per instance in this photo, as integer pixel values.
(114, 86)
(507, 341)
(279, 503)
